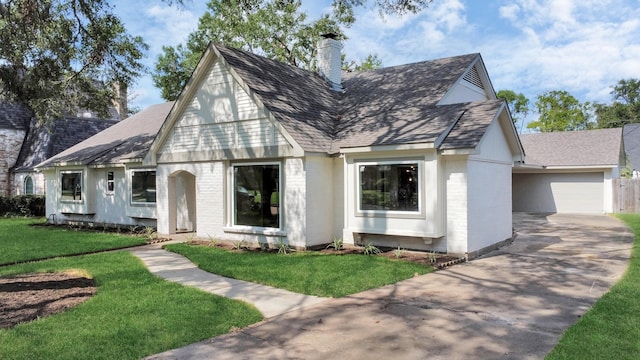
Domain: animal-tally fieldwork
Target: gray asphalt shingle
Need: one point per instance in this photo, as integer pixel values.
(573, 148)
(389, 106)
(128, 140)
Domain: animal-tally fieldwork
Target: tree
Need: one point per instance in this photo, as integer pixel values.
(59, 56)
(276, 29)
(625, 108)
(371, 62)
(560, 111)
(518, 105)
(345, 8)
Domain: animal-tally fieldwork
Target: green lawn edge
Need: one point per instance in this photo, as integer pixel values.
(21, 241)
(134, 314)
(611, 328)
(306, 272)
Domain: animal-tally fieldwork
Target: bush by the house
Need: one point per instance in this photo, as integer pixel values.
(22, 205)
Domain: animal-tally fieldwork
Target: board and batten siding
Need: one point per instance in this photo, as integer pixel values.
(219, 118)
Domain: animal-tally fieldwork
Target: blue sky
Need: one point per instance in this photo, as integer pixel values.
(529, 46)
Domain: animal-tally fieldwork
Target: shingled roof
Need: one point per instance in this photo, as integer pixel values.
(573, 148)
(46, 140)
(14, 116)
(127, 140)
(389, 106)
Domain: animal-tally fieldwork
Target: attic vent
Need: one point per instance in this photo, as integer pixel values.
(473, 77)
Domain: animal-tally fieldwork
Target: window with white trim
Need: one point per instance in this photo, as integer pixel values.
(256, 197)
(71, 189)
(110, 182)
(28, 185)
(143, 186)
(389, 186)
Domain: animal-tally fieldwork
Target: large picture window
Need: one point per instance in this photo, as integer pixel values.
(71, 186)
(143, 186)
(256, 199)
(389, 187)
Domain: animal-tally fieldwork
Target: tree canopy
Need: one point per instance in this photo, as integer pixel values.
(625, 108)
(276, 29)
(518, 105)
(60, 56)
(560, 111)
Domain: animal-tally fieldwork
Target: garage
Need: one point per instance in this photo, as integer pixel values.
(559, 192)
(568, 172)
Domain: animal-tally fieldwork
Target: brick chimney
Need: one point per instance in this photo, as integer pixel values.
(330, 61)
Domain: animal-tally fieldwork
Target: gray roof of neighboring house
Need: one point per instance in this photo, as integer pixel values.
(631, 134)
(395, 105)
(14, 116)
(46, 140)
(574, 148)
(127, 140)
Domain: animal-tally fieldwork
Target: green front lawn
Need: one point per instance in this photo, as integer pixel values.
(302, 272)
(21, 242)
(134, 314)
(611, 328)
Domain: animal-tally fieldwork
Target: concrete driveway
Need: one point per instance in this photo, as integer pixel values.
(513, 303)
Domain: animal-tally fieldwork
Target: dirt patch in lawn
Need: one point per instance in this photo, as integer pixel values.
(31, 296)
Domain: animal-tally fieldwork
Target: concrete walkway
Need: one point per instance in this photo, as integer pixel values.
(269, 300)
(513, 303)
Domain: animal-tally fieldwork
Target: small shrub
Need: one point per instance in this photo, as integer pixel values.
(283, 248)
(370, 249)
(191, 237)
(238, 245)
(398, 252)
(213, 242)
(150, 233)
(433, 256)
(336, 243)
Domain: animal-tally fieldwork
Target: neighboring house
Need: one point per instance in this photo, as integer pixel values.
(24, 143)
(631, 135)
(417, 156)
(14, 125)
(568, 172)
(42, 142)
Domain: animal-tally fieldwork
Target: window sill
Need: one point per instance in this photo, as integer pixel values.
(391, 214)
(143, 204)
(254, 231)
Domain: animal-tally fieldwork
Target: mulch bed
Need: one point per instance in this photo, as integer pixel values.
(31, 296)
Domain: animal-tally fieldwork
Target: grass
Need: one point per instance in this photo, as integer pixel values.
(303, 272)
(21, 242)
(133, 315)
(611, 328)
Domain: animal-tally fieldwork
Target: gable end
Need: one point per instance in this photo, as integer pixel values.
(472, 77)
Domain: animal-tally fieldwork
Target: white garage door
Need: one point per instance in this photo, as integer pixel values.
(561, 193)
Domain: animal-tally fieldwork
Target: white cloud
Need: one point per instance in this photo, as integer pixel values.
(510, 12)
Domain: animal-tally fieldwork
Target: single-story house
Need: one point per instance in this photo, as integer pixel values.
(568, 172)
(418, 156)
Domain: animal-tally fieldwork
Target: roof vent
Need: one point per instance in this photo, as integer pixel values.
(329, 60)
(473, 77)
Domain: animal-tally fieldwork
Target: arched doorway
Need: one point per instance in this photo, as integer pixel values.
(182, 202)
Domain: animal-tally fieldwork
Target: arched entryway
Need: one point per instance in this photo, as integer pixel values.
(182, 202)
